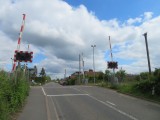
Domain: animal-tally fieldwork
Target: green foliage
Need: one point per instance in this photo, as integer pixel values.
(157, 81)
(140, 85)
(42, 73)
(144, 75)
(91, 79)
(107, 75)
(71, 82)
(114, 86)
(41, 80)
(145, 86)
(12, 92)
(48, 78)
(100, 76)
(121, 74)
(157, 75)
(126, 88)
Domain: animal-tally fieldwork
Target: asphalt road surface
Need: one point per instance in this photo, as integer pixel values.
(56, 102)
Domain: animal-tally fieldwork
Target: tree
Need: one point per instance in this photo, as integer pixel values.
(107, 75)
(157, 73)
(48, 78)
(35, 70)
(121, 74)
(144, 75)
(42, 73)
(100, 76)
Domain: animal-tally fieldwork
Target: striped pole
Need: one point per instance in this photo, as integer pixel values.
(110, 49)
(19, 39)
(112, 59)
(21, 31)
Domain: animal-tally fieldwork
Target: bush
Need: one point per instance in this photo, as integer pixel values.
(144, 75)
(71, 82)
(145, 86)
(41, 80)
(12, 93)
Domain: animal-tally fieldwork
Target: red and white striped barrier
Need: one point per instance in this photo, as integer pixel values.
(19, 39)
(21, 31)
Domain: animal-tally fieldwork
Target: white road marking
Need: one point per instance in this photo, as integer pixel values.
(55, 87)
(43, 91)
(130, 116)
(67, 87)
(81, 90)
(111, 103)
(108, 105)
(67, 95)
(83, 86)
(55, 109)
(47, 108)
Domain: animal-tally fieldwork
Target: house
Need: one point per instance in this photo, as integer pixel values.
(75, 74)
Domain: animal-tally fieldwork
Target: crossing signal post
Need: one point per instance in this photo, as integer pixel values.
(111, 64)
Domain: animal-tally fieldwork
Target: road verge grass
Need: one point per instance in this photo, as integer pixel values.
(130, 89)
(13, 91)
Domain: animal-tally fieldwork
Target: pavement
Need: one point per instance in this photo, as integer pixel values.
(55, 102)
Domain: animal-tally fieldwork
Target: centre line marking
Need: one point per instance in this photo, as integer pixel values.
(67, 95)
(82, 91)
(111, 103)
(128, 115)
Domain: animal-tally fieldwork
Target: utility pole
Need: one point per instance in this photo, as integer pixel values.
(64, 74)
(93, 62)
(83, 68)
(148, 58)
(79, 68)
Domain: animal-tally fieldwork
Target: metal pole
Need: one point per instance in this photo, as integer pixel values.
(149, 65)
(64, 74)
(79, 68)
(83, 68)
(93, 63)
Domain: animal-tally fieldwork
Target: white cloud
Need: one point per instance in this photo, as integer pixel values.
(148, 15)
(131, 21)
(61, 32)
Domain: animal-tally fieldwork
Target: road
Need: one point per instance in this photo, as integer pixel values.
(56, 102)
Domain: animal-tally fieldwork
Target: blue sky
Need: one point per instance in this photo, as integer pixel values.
(119, 9)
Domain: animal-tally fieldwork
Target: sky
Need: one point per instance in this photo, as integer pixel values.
(59, 30)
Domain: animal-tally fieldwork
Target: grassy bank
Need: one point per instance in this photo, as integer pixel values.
(133, 90)
(13, 91)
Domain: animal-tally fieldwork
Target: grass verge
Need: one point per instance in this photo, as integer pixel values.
(129, 89)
